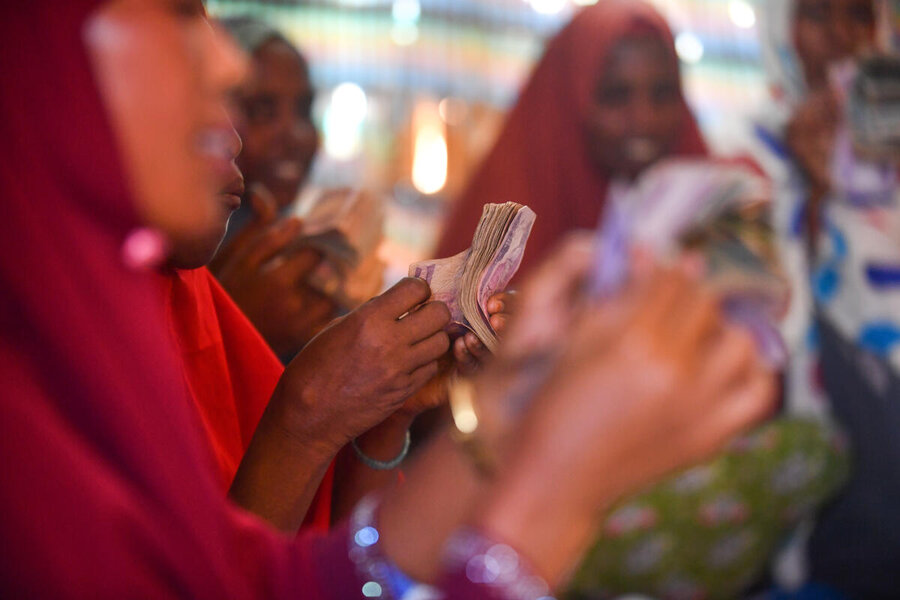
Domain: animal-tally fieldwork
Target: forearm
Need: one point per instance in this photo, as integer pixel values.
(354, 480)
(280, 473)
(539, 517)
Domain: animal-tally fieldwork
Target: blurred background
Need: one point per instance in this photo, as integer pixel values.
(410, 93)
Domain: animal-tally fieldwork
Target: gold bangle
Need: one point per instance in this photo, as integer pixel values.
(466, 424)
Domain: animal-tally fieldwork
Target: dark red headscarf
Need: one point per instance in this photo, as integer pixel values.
(106, 487)
(540, 158)
(230, 372)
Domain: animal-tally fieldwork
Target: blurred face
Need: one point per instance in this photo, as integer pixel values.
(829, 30)
(275, 122)
(164, 75)
(636, 112)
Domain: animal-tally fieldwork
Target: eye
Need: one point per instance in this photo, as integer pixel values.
(259, 110)
(665, 93)
(188, 8)
(861, 12)
(304, 107)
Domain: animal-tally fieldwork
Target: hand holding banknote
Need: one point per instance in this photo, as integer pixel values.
(467, 281)
(618, 379)
(468, 351)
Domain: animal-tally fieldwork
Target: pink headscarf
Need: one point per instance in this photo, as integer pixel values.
(107, 487)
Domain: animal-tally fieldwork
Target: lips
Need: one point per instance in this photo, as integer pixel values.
(219, 145)
(641, 150)
(234, 191)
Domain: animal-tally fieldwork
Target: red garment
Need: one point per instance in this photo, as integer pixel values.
(230, 372)
(540, 158)
(106, 487)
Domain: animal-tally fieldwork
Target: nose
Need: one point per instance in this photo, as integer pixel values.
(644, 115)
(235, 144)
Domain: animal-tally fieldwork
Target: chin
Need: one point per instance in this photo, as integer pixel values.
(285, 193)
(196, 252)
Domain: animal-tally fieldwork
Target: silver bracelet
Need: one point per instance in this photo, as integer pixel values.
(382, 465)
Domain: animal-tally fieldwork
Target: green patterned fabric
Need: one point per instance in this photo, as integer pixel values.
(710, 531)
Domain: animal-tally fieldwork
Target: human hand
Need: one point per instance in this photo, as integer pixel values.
(648, 382)
(363, 367)
(468, 351)
(265, 273)
(549, 301)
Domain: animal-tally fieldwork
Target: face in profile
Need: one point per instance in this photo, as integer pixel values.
(826, 31)
(274, 118)
(636, 112)
(164, 75)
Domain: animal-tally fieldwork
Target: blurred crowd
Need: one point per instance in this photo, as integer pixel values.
(213, 386)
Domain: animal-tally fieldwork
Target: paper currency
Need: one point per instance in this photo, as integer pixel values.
(347, 226)
(466, 281)
(719, 210)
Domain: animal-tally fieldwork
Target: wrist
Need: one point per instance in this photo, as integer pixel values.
(540, 520)
(294, 416)
(386, 440)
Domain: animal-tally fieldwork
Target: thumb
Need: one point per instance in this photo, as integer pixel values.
(265, 209)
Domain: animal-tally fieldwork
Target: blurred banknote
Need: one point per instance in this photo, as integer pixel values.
(717, 209)
(347, 227)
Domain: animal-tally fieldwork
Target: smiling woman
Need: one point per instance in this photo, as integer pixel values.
(603, 104)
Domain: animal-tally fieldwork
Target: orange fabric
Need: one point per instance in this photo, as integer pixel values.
(540, 158)
(230, 373)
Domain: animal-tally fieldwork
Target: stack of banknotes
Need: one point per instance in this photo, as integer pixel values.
(466, 281)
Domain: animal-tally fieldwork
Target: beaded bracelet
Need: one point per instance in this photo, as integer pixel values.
(382, 465)
(487, 562)
(383, 579)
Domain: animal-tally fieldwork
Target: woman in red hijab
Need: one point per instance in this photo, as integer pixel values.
(603, 104)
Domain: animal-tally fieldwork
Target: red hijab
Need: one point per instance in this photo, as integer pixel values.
(230, 373)
(107, 490)
(540, 158)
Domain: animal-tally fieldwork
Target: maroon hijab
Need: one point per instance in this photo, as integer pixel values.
(106, 487)
(540, 158)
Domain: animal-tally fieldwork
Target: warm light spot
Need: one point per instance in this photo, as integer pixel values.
(742, 13)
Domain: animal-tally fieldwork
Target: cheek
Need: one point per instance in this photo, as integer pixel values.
(862, 36)
(669, 121)
(151, 91)
(810, 41)
(254, 154)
